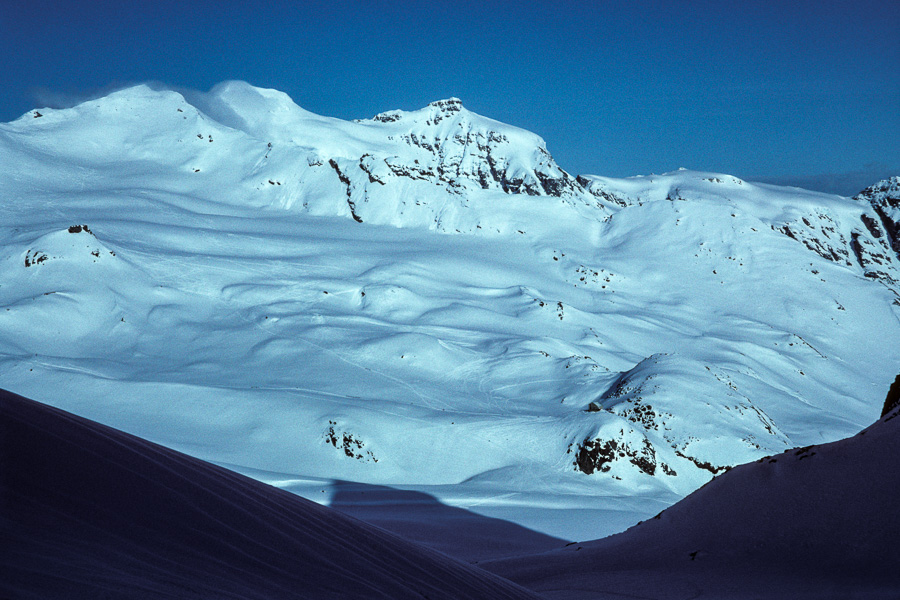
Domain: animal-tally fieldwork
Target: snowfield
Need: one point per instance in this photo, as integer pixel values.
(425, 303)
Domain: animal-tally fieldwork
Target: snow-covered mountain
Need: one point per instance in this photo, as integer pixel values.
(426, 300)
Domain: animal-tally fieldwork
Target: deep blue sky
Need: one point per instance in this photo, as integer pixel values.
(799, 92)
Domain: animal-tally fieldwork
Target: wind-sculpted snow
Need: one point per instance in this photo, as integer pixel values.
(91, 512)
(426, 300)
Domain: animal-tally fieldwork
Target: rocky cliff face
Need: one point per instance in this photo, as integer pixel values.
(457, 149)
(864, 245)
(884, 197)
(446, 149)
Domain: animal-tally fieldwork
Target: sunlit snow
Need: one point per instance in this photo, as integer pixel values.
(427, 301)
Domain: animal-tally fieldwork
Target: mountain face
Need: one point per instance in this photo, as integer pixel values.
(426, 300)
(884, 197)
(400, 168)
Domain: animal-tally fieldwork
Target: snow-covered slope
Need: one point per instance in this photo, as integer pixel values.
(91, 512)
(256, 148)
(425, 300)
(814, 522)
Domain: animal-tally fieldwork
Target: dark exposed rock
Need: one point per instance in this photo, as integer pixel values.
(477, 154)
(595, 455)
(885, 193)
(667, 470)
(387, 117)
(872, 225)
(703, 464)
(348, 443)
(884, 197)
(34, 257)
(598, 455)
(893, 397)
(596, 189)
(449, 105)
(787, 231)
(869, 246)
(642, 414)
(857, 249)
(820, 237)
(346, 181)
(366, 168)
(892, 228)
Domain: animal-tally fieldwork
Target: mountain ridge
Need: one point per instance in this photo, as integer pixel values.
(441, 145)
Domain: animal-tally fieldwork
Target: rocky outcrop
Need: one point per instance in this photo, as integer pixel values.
(599, 455)
(346, 181)
(83, 246)
(893, 397)
(462, 150)
(348, 443)
(657, 430)
(869, 242)
(818, 232)
(595, 187)
(884, 197)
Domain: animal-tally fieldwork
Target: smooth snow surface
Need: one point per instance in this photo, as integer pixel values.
(91, 512)
(426, 301)
(815, 522)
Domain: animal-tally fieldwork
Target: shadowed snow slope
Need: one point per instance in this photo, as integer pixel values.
(90, 512)
(814, 522)
(421, 518)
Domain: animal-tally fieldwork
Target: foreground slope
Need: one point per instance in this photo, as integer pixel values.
(426, 301)
(814, 522)
(90, 512)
